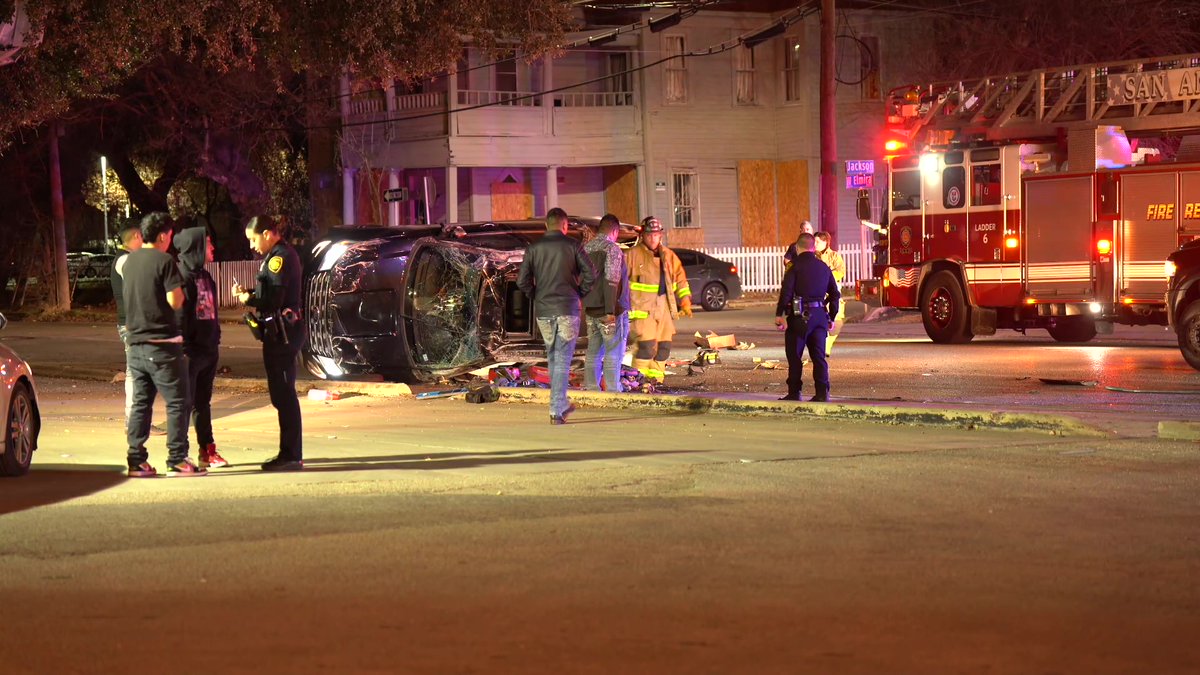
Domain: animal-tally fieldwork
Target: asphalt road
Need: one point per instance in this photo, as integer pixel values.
(888, 361)
(442, 537)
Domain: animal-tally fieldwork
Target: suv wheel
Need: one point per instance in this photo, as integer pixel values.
(1189, 333)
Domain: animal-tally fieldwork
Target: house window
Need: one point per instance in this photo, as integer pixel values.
(683, 199)
(791, 70)
(676, 70)
(506, 73)
(743, 67)
(618, 68)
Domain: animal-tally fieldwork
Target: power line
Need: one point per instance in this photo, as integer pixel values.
(786, 20)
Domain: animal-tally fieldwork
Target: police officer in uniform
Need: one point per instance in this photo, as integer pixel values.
(276, 299)
(807, 302)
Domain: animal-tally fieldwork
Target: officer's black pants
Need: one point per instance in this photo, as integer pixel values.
(280, 362)
(796, 339)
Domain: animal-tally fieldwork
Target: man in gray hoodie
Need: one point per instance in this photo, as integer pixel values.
(201, 336)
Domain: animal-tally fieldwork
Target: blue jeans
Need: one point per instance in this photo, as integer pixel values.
(158, 368)
(604, 352)
(560, 334)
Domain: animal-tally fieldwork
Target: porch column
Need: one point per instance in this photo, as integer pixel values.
(451, 194)
(551, 187)
(348, 196)
(645, 203)
(393, 207)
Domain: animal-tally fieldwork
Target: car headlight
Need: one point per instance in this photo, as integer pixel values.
(332, 254)
(1169, 268)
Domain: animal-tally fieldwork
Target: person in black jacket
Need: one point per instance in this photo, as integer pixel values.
(808, 298)
(201, 336)
(277, 301)
(555, 274)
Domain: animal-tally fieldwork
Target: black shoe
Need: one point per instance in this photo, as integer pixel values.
(555, 419)
(282, 464)
(566, 413)
(820, 398)
(790, 397)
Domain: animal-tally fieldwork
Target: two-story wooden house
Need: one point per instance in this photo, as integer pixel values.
(680, 120)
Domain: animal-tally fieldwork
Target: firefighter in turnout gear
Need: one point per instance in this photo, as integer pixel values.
(658, 293)
(837, 265)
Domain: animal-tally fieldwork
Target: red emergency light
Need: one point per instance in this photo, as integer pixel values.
(894, 145)
(1104, 247)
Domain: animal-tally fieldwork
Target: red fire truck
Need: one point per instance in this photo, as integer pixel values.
(1020, 202)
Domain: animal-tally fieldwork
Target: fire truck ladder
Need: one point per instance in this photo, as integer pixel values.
(1153, 94)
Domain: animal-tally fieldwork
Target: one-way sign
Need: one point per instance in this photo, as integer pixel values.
(395, 195)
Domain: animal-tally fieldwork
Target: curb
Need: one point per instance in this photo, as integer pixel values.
(1179, 431)
(1055, 425)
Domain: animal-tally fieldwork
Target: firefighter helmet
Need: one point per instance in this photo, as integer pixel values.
(651, 224)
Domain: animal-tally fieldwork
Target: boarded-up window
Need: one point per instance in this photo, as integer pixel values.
(676, 70)
(791, 70)
(683, 198)
(743, 65)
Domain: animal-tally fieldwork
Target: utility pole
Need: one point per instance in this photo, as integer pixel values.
(829, 187)
(59, 223)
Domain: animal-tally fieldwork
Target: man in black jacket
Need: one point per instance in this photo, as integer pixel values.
(555, 274)
(808, 297)
(201, 337)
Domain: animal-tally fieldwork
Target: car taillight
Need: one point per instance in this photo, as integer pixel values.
(733, 269)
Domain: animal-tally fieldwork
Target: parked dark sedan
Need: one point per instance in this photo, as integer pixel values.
(418, 303)
(715, 282)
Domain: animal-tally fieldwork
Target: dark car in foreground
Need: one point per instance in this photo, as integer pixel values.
(713, 282)
(418, 303)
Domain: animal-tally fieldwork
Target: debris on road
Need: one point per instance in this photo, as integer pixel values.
(714, 341)
(1068, 383)
(743, 346)
(323, 395)
(766, 364)
(445, 393)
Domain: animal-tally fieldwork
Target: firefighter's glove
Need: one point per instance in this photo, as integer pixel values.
(685, 307)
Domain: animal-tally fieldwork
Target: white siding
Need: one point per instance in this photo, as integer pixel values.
(710, 132)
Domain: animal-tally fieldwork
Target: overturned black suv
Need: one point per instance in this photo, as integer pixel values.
(1183, 299)
(415, 304)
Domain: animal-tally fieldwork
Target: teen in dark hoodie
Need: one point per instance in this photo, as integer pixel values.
(201, 336)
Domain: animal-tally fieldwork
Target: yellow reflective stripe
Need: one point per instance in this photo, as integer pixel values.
(638, 314)
(684, 293)
(652, 373)
(644, 288)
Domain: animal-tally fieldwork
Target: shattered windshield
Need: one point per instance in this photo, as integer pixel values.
(444, 294)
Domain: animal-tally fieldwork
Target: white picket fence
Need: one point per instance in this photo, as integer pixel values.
(761, 268)
(244, 271)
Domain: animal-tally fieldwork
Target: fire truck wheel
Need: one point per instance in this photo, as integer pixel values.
(1189, 333)
(944, 310)
(1073, 329)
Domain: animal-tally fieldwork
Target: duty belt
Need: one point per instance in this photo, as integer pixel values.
(812, 305)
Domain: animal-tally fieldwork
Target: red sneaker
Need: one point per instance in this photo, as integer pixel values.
(210, 458)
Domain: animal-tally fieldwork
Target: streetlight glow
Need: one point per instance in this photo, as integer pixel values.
(104, 193)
